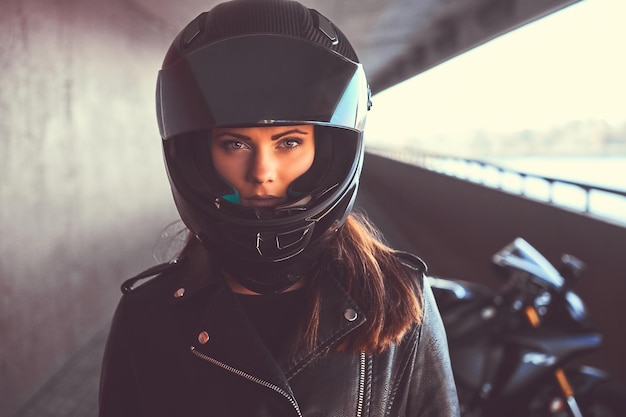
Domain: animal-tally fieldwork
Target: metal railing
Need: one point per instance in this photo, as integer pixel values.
(590, 199)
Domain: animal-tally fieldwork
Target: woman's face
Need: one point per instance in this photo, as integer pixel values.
(261, 162)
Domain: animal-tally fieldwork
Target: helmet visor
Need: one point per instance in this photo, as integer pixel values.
(260, 79)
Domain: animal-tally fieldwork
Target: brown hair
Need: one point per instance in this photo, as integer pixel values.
(372, 273)
(377, 280)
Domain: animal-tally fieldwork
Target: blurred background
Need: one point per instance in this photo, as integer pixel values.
(545, 99)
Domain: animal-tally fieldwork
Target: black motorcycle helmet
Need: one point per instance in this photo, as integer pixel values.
(252, 63)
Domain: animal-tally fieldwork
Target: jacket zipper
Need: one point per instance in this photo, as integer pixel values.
(251, 378)
(359, 407)
(360, 399)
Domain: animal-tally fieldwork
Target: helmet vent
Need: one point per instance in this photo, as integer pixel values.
(192, 30)
(326, 27)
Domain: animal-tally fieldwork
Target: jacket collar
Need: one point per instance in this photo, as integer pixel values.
(339, 316)
(233, 341)
(197, 274)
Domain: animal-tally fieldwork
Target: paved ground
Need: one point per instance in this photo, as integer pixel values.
(73, 391)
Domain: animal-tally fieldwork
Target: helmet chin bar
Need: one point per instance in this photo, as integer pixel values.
(266, 277)
(274, 269)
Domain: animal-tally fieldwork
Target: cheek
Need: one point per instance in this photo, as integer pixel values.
(226, 167)
(305, 164)
(302, 163)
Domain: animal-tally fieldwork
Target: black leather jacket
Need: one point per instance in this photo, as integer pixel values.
(180, 345)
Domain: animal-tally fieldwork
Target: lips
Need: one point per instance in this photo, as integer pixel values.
(262, 201)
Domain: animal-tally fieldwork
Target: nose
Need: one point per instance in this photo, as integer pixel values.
(262, 168)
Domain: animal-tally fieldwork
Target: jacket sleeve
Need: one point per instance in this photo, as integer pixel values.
(432, 389)
(118, 389)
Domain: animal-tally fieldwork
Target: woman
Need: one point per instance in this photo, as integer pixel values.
(283, 302)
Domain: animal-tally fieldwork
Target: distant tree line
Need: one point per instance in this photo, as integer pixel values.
(581, 137)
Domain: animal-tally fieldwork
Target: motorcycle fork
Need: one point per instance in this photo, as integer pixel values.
(561, 378)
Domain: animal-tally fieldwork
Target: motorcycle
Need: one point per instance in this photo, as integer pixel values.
(512, 351)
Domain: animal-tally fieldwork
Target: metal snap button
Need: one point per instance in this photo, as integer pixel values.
(203, 337)
(179, 292)
(350, 314)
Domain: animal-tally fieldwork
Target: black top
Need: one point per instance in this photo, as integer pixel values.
(275, 317)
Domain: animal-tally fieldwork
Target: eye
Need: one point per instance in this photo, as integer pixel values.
(290, 143)
(233, 145)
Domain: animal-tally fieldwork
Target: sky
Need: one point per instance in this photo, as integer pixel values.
(567, 66)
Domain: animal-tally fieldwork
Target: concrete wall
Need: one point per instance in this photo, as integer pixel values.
(456, 227)
(83, 192)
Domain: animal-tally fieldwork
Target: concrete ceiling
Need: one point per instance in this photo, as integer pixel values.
(395, 39)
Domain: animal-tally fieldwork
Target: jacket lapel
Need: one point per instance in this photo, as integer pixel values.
(339, 316)
(226, 336)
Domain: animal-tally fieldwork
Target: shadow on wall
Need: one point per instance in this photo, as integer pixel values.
(83, 192)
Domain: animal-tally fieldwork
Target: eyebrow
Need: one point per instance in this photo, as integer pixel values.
(237, 135)
(274, 137)
(288, 132)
